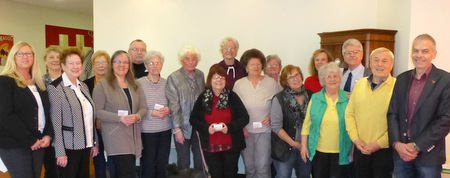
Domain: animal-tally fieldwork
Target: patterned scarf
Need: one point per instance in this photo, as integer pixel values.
(298, 110)
(208, 100)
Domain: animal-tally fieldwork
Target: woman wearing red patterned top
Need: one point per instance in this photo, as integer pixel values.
(219, 116)
(319, 58)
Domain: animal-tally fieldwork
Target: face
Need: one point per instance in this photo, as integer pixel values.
(218, 82)
(332, 81)
(423, 52)
(294, 80)
(273, 68)
(24, 58)
(254, 67)
(100, 65)
(52, 61)
(319, 60)
(381, 64)
(121, 65)
(229, 51)
(137, 52)
(73, 66)
(353, 55)
(154, 66)
(189, 62)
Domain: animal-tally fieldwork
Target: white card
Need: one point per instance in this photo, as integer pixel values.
(122, 113)
(257, 125)
(158, 106)
(218, 126)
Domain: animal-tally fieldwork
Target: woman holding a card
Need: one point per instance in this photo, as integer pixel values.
(120, 106)
(156, 126)
(219, 117)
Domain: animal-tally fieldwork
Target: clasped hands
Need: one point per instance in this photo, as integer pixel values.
(129, 119)
(41, 143)
(213, 130)
(161, 113)
(366, 149)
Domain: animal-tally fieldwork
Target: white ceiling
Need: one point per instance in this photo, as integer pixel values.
(81, 6)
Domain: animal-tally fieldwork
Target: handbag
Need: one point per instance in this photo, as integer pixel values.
(280, 149)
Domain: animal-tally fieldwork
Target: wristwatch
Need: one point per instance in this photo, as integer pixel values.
(416, 148)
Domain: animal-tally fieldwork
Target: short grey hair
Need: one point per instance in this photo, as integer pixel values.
(380, 50)
(227, 40)
(329, 67)
(188, 49)
(136, 40)
(151, 54)
(351, 42)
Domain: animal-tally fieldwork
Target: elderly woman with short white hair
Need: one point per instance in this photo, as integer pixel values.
(182, 90)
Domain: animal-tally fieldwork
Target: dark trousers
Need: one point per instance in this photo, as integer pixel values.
(100, 163)
(326, 165)
(77, 164)
(184, 152)
(222, 164)
(22, 162)
(155, 155)
(51, 170)
(377, 165)
(125, 165)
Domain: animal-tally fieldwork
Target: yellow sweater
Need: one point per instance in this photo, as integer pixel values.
(365, 116)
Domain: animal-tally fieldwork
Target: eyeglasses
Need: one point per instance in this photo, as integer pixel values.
(137, 49)
(228, 48)
(100, 63)
(348, 53)
(219, 77)
(22, 54)
(272, 65)
(332, 76)
(154, 63)
(296, 76)
(123, 62)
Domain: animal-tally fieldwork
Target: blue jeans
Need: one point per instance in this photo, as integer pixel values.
(404, 169)
(284, 169)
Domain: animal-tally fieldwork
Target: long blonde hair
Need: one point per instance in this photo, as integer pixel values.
(11, 68)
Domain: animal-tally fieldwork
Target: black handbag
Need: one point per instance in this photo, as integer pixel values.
(280, 149)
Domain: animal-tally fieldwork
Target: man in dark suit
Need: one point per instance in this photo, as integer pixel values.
(352, 51)
(419, 114)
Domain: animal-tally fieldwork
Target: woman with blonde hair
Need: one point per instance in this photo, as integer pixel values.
(25, 125)
(51, 59)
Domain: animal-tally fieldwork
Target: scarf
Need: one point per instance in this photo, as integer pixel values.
(222, 103)
(298, 110)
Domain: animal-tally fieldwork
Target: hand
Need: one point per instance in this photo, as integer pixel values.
(45, 141)
(297, 145)
(36, 145)
(132, 118)
(179, 136)
(266, 121)
(165, 111)
(406, 152)
(211, 129)
(61, 161)
(373, 147)
(158, 114)
(98, 124)
(361, 146)
(124, 121)
(411, 145)
(246, 134)
(94, 151)
(304, 153)
(224, 128)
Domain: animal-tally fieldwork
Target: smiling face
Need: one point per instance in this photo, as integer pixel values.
(272, 67)
(332, 81)
(100, 65)
(353, 56)
(218, 83)
(121, 65)
(52, 61)
(229, 51)
(381, 64)
(154, 66)
(24, 58)
(189, 62)
(254, 67)
(73, 66)
(294, 80)
(320, 59)
(423, 52)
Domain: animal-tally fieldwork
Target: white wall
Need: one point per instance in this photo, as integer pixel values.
(287, 28)
(27, 23)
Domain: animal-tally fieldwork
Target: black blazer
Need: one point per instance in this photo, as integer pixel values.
(431, 120)
(19, 115)
(239, 119)
(90, 84)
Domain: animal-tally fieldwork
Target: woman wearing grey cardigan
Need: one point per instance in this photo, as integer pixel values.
(119, 106)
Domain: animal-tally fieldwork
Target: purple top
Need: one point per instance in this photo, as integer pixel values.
(234, 72)
(415, 91)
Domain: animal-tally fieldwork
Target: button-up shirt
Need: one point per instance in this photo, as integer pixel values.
(415, 91)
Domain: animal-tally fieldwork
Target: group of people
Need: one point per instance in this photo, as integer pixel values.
(336, 123)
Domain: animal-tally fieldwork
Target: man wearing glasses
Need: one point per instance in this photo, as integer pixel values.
(352, 51)
(137, 51)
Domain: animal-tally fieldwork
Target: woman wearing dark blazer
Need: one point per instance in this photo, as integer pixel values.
(219, 116)
(72, 112)
(25, 124)
(120, 105)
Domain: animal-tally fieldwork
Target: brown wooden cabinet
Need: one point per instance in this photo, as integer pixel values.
(369, 38)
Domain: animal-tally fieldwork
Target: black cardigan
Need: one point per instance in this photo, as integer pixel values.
(19, 115)
(239, 119)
